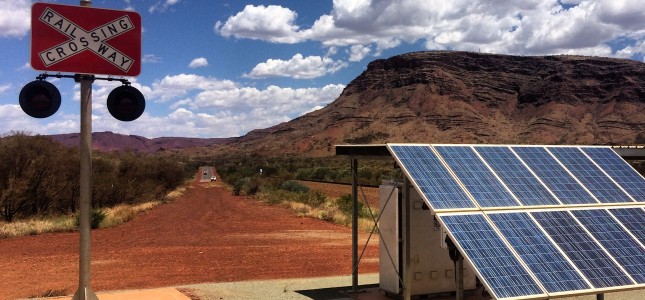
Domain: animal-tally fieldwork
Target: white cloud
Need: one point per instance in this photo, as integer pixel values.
(179, 85)
(631, 50)
(201, 107)
(4, 88)
(358, 52)
(162, 6)
(128, 5)
(271, 23)
(528, 27)
(277, 100)
(13, 117)
(198, 63)
(15, 18)
(26, 66)
(150, 59)
(297, 67)
(212, 112)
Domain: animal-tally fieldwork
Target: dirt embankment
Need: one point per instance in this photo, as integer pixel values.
(206, 235)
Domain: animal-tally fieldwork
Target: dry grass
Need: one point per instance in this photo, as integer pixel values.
(36, 226)
(328, 211)
(123, 213)
(177, 192)
(113, 216)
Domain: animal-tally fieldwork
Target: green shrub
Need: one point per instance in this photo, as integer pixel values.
(312, 198)
(346, 206)
(98, 215)
(247, 186)
(251, 187)
(277, 196)
(239, 185)
(294, 186)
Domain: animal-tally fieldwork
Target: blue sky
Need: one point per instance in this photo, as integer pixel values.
(215, 68)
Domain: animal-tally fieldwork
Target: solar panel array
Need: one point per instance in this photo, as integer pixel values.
(536, 221)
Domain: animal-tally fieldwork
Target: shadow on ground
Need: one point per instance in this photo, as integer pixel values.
(334, 293)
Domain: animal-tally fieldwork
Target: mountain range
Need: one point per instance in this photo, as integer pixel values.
(451, 97)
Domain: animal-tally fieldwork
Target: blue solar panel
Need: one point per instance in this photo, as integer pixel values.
(536, 253)
(590, 175)
(565, 187)
(476, 177)
(433, 180)
(547, 263)
(524, 185)
(594, 263)
(625, 249)
(633, 219)
(497, 265)
(628, 178)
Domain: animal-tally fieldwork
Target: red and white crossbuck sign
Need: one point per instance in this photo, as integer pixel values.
(85, 40)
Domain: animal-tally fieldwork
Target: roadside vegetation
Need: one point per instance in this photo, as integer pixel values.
(277, 184)
(39, 184)
(39, 181)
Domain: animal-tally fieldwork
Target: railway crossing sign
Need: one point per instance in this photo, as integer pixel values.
(85, 40)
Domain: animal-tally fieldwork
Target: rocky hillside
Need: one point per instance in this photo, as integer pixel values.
(449, 97)
(462, 97)
(109, 141)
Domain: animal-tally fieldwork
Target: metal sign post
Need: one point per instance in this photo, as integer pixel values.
(85, 291)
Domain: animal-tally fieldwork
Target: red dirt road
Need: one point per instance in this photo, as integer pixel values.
(207, 235)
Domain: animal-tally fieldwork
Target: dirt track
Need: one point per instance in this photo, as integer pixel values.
(207, 235)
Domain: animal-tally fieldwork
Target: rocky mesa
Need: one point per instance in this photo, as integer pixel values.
(465, 97)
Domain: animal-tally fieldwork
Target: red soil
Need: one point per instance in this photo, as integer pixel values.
(206, 235)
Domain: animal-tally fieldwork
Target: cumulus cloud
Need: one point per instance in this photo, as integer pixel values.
(179, 85)
(632, 50)
(15, 18)
(358, 52)
(271, 23)
(529, 27)
(297, 67)
(13, 117)
(201, 107)
(198, 63)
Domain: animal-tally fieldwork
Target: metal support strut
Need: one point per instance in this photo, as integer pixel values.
(354, 165)
(79, 77)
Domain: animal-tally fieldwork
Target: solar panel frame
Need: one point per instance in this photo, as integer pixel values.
(592, 177)
(478, 179)
(621, 172)
(587, 255)
(517, 177)
(631, 218)
(480, 243)
(563, 184)
(557, 274)
(618, 277)
(430, 187)
(622, 246)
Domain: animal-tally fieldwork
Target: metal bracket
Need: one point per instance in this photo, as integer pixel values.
(79, 77)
